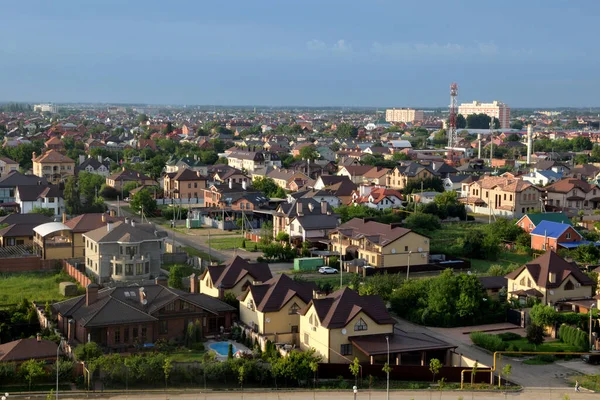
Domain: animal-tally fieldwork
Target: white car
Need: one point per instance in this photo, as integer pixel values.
(328, 270)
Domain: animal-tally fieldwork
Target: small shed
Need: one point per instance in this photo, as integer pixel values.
(68, 289)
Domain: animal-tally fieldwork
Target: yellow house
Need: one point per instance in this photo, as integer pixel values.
(85, 223)
(381, 245)
(17, 229)
(551, 279)
(344, 325)
(53, 166)
(233, 277)
(53, 241)
(398, 177)
(271, 309)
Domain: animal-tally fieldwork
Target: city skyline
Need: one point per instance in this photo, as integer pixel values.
(366, 54)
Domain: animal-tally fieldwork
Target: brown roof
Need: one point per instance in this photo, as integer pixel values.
(275, 293)
(358, 170)
(568, 184)
(550, 262)
(340, 307)
(186, 174)
(18, 230)
(376, 172)
(399, 342)
(91, 221)
(375, 232)
(53, 156)
(230, 274)
(27, 349)
(504, 183)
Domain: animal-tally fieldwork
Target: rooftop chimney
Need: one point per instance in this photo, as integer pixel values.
(103, 217)
(33, 155)
(193, 283)
(81, 158)
(108, 226)
(230, 183)
(91, 294)
(39, 337)
(161, 281)
(244, 185)
(99, 159)
(298, 208)
(323, 207)
(64, 217)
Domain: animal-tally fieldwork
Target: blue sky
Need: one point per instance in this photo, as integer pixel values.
(539, 53)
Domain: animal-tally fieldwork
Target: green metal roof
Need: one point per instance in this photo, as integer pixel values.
(552, 217)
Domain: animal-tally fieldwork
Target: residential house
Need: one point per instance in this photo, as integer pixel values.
(376, 176)
(502, 195)
(9, 183)
(317, 195)
(380, 198)
(97, 166)
(124, 251)
(184, 184)
(120, 178)
(121, 318)
(343, 326)
(233, 277)
(284, 177)
(326, 153)
(454, 182)
(53, 241)
(550, 279)
(572, 194)
(550, 235)
(271, 308)
(252, 162)
(551, 165)
(304, 219)
(355, 172)
(380, 245)
(53, 166)
(7, 166)
(233, 195)
(542, 178)
(529, 222)
(340, 186)
(193, 163)
(18, 228)
(54, 143)
(399, 177)
(85, 223)
(31, 197)
(493, 285)
(21, 350)
(585, 172)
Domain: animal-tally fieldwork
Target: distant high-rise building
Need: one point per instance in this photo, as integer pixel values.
(495, 109)
(45, 108)
(404, 115)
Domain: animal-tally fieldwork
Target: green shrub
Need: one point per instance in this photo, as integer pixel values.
(508, 336)
(487, 341)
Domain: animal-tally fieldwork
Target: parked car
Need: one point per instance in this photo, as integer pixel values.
(328, 270)
(591, 358)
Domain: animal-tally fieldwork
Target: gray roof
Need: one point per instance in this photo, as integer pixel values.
(122, 232)
(16, 178)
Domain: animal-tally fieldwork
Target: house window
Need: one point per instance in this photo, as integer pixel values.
(306, 341)
(128, 269)
(139, 269)
(184, 305)
(189, 185)
(170, 307)
(346, 349)
(118, 269)
(569, 286)
(522, 282)
(144, 330)
(293, 309)
(360, 325)
(250, 305)
(405, 248)
(125, 335)
(147, 267)
(568, 235)
(135, 333)
(164, 327)
(117, 336)
(294, 328)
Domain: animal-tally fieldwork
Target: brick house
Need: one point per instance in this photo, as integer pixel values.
(120, 318)
(529, 222)
(549, 235)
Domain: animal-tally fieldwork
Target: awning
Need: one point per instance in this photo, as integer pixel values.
(573, 245)
(528, 293)
(400, 342)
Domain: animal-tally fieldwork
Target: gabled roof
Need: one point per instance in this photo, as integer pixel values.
(275, 293)
(185, 174)
(33, 218)
(122, 232)
(120, 305)
(375, 232)
(89, 222)
(228, 275)
(17, 230)
(550, 262)
(567, 184)
(15, 178)
(34, 192)
(553, 217)
(339, 308)
(551, 229)
(127, 175)
(27, 349)
(53, 156)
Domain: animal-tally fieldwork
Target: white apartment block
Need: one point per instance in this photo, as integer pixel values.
(46, 108)
(495, 109)
(404, 115)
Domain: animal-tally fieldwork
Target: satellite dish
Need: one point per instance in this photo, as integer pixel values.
(268, 320)
(144, 302)
(420, 249)
(393, 251)
(551, 292)
(344, 331)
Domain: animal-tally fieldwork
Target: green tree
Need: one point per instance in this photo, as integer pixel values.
(429, 184)
(542, 315)
(48, 212)
(167, 368)
(87, 352)
(461, 122)
(518, 124)
(355, 369)
(31, 370)
(282, 237)
(435, 366)
(176, 275)
(309, 153)
(71, 196)
(142, 201)
(230, 352)
(265, 185)
(346, 131)
(535, 334)
(449, 198)
(420, 222)
(128, 187)
(506, 372)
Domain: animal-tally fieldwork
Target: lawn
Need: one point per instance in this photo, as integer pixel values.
(505, 259)
(193, 252)
(228, 243)
(333, 280)
(187, 355)
(33, 286)
(548, 346)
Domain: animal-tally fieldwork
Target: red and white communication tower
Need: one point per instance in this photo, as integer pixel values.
(452, 134)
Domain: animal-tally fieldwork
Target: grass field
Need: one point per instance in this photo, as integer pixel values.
(549, 346)
(33, 286)
(228, 243)
(186, 355)
(193, 252)
(505, 259)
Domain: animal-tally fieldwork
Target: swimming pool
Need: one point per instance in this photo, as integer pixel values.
(221, 348)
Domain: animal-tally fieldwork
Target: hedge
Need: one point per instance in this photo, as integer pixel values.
(489, 342)
(574, 337)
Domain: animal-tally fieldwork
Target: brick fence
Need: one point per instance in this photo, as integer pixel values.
(79, 276)
(27, 263)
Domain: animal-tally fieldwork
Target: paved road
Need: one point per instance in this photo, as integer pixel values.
(529, 394)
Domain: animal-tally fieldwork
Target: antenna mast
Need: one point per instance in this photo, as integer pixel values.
(452, 134)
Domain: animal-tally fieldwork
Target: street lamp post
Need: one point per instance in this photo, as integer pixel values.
(387, 390)
(408, 266)
(355, 389)
(591, 343)
(57, 355)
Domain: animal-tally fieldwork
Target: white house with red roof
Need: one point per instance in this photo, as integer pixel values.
(380, 198)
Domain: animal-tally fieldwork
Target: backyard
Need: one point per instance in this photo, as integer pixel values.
(237, 242)
(33, 286)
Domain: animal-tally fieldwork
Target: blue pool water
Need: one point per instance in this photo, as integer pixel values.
(221, 348)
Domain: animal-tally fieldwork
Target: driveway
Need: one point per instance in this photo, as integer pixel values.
(530, 376)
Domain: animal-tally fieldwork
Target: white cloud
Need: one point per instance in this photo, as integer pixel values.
(315, 45)
(342, 46)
